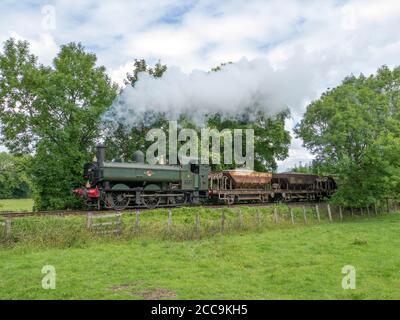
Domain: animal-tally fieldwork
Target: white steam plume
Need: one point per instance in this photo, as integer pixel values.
(246, 84)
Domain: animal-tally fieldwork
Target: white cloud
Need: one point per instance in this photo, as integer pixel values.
(330, 39)
(43, 46)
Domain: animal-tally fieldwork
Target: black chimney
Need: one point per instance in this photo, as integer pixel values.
(100, 154)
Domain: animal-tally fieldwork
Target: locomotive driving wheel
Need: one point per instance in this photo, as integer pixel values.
(151, 201)
(181, 200)
(117, 200)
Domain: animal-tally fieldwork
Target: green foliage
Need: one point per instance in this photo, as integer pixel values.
(271, 140)
(302, 168)
(141, 66)
(219, 68)
(54, 113)
(20, 82)
(14, 180)
(354, 130)
(314, 167)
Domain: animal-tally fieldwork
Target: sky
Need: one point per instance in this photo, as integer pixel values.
(322, 41)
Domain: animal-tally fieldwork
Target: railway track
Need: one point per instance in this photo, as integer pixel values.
(62, 213)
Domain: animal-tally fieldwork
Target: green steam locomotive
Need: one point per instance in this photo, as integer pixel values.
(120, 185)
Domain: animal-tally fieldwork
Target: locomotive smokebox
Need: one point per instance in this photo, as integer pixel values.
(100, 154)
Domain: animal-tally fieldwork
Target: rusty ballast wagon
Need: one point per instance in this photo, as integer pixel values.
(302, 186)
(233, 186)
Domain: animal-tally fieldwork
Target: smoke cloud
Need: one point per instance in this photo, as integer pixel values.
(253, 84)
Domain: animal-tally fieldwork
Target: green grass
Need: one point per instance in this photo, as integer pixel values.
(281, 262)
(16, 205)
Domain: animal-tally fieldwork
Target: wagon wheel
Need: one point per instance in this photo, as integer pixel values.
(151, 201)
(230, 199)
(264, 198)
(117, 200)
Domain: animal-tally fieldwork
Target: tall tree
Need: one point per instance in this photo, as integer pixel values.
(53, 112)
(353, 130)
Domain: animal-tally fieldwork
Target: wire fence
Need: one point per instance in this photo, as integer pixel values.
(176, 223)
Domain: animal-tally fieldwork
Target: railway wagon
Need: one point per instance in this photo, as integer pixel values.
(120, 185)
(291, 186)
(234, 186)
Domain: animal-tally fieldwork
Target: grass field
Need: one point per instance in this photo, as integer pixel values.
(300, 262)
(16, 205)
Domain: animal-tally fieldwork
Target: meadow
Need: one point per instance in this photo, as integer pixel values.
(16, 204)
(267, 261)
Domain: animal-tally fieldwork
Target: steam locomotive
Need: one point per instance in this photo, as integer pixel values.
(122, 185)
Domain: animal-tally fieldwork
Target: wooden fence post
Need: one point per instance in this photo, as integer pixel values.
(222, 221)
(137, 221)
(388, 205)
(197, 223)
(368, 213)
(169, 220)
(376, 211)
(276, 215)
(8, 226)
(291, 215)
(340, 213)
(317, 210)
(119, 224)
(240, 219)
(329, 212)
(362, 211)
(352, 211)
(305, 214)
(258, 218)
(89, 220)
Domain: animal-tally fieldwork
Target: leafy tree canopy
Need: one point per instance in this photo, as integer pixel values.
(52, 112)
(354, 131)
(271, 140)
